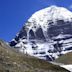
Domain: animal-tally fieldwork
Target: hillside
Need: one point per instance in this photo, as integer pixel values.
(13, 61)
(66, 59)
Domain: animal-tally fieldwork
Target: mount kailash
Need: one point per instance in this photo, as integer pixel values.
(47, 34)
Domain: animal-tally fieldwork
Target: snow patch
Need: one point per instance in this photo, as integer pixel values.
(68, 67)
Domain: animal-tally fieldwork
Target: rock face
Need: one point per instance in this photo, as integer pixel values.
(47, 34)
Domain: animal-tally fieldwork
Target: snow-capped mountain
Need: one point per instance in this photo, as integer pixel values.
(47, 34)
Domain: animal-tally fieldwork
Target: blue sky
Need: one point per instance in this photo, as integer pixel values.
(14, 13)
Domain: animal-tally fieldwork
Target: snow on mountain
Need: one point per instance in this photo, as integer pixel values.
(47, 34)
(51, 13)
(68, 67)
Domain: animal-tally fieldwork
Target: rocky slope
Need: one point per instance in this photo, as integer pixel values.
(65, 59)
(13, 61)
(47, 34)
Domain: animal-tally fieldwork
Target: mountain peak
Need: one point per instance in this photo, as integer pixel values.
(53, 7)
(52, 13)
(46, 34)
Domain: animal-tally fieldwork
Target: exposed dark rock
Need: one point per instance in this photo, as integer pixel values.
(23, 33)
(39, 34)
(12, 43)
(31, 34)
